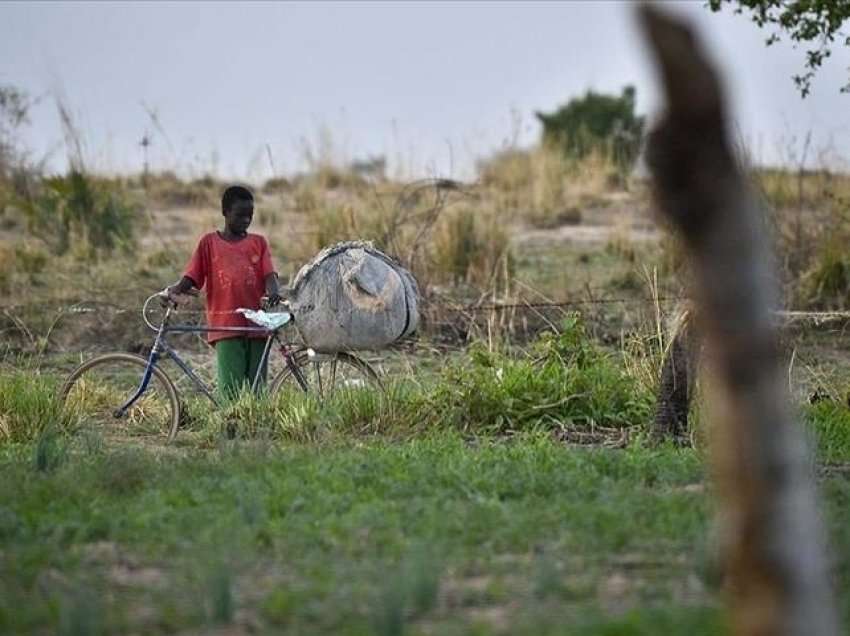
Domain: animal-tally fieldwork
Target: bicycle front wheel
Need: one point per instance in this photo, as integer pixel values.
(324, 374)
(98, 389)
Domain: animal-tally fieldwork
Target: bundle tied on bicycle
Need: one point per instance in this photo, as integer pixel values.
(352, 296)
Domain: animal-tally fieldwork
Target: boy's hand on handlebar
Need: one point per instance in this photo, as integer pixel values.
(169, 297)
(270, 300)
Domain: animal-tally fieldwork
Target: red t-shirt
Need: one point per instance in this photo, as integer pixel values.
(234, 275)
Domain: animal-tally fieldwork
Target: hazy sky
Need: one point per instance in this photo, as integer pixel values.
(431, 85)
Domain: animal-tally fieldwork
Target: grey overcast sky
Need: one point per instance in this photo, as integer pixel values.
(432, 86)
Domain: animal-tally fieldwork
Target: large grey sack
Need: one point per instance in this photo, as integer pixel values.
(352, 296)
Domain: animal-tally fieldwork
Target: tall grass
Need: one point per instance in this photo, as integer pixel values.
(544, 188)
(563, 381)
(29, 408)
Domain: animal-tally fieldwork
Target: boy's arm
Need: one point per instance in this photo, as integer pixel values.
(184, 286)
(194, 275)
(272, 289)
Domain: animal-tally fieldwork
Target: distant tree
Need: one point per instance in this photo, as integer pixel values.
(596, 121)
(816, 23)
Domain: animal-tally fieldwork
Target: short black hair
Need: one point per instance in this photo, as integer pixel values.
(233, 194)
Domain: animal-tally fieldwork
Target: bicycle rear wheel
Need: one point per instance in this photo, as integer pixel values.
(325, 374)
(98, 388)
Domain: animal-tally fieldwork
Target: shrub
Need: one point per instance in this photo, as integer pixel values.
(79, 208)
(593, 122)
(564, 380)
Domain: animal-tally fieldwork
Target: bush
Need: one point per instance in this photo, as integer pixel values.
(78, 208)
(596, 122)
(564, 380)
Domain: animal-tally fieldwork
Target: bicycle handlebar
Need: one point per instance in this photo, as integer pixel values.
(172, 305)
(159, 296)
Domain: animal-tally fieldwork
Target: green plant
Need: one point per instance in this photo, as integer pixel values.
(29, 408)
(816, 24)
(221, 595)
(596, 121)
(81, 209)
(565, 380)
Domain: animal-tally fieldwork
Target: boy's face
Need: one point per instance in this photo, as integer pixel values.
(238, 217)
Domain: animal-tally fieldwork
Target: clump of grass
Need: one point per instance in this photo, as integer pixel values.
(470, 248)
(49, 451)
(221, 601)
(827, 283)
(395, 410)
(564, 380)
(29, 408)
(829, 422)
(93, 214)
(288, 415)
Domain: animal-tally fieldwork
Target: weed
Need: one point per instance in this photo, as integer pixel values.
(29, 408)
(49, 451)
(221, 602)
(829, 421)
(565, 380)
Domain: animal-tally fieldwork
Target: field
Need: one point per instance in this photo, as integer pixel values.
(507, 481)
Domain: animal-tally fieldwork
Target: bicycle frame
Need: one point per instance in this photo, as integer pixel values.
(161, 348)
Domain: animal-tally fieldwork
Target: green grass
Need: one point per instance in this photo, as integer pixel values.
(28, 408)
(409, 513)
(520, 537)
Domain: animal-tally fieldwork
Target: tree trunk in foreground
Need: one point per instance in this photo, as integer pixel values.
(772, 536)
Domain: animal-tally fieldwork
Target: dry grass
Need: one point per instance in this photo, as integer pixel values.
(544, 188)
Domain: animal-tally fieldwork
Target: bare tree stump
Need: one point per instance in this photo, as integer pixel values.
(776, 568)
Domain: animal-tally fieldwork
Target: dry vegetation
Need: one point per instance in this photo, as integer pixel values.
(538, 235)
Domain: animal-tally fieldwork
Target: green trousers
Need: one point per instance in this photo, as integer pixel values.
(237, 360)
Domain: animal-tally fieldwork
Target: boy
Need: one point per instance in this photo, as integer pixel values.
(236, 268)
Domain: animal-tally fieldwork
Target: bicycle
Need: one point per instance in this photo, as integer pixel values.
(109, 387)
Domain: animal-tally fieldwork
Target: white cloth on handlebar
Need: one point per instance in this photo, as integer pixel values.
(268, 320)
